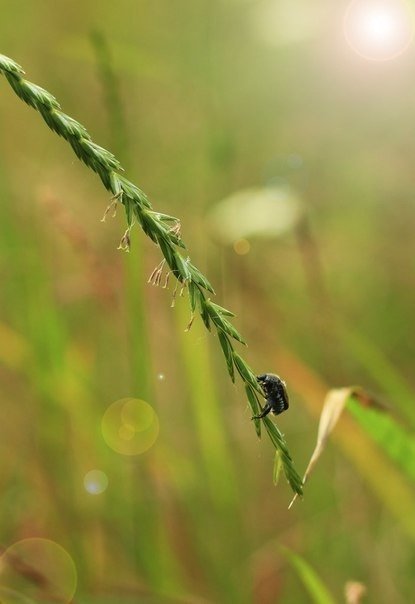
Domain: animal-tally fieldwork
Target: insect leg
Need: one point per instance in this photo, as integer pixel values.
(266, 409)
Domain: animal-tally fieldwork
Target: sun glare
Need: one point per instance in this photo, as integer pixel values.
(378, 30)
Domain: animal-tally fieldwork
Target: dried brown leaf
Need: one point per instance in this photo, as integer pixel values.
(334, 404)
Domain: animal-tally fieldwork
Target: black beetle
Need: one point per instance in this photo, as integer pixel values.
(276, 395)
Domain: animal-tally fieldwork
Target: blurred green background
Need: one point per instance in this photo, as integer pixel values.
(203, 100)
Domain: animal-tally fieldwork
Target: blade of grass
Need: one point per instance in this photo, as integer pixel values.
(164, 574)
(397, 442)
(381, 371)
(220, 472)
(318, 592)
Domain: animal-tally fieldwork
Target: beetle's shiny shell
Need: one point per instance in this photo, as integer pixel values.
(275, 391)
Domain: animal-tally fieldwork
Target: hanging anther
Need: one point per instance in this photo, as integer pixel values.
(112, 205)
(155, 276)
(175, 229)
(125, 242)
(192, 318)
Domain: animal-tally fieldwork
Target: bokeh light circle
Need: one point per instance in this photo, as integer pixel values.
(10, 596)
(379, 30)
(95, 482)
(130, 426)
(241, 247)
(37, 568)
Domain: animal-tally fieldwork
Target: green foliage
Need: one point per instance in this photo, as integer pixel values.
(386, 431)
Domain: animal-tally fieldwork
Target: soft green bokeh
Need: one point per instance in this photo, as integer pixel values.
(201, 101)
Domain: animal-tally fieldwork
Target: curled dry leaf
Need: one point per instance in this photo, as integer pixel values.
(334, 404)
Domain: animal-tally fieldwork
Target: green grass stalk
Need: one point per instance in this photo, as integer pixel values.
(162, 229)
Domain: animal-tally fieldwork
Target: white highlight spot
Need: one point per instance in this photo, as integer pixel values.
(378, 30)
(95, 482)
